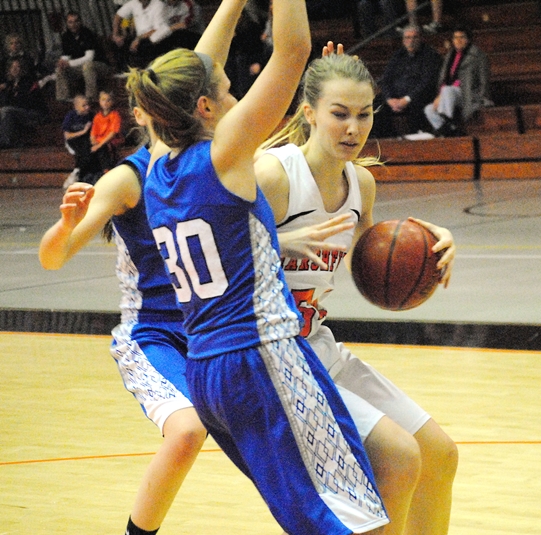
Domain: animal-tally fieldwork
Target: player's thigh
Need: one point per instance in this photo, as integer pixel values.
(368, 383)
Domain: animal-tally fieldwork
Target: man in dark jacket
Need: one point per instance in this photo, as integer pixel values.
(408, 84)
(82, 60)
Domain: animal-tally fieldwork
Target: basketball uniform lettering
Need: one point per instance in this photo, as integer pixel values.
(165, 240)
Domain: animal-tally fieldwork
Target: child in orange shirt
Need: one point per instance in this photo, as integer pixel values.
(105, 135)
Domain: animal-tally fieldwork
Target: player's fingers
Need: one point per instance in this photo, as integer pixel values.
(315, 259)
(79, 186)
(328, 49)
(332, 231)
(447, 255)
(425, 224)
(446, 274)
(327, 246)
(338, 220)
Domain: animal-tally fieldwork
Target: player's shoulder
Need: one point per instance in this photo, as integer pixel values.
(367, 182)
(364, 176)
(120, 185)
(268, 168)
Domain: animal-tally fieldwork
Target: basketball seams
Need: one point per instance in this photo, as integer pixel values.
(420, 277)
(389, 266)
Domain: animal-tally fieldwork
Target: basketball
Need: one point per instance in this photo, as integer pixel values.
(393, 265)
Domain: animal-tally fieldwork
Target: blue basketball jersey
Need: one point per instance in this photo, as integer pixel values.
(146, 290)
(221, 253)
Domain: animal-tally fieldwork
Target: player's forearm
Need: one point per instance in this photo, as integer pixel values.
(290, 28)
(217, 37)
(54, 249)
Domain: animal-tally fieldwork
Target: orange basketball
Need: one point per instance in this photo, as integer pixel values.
(393, 265)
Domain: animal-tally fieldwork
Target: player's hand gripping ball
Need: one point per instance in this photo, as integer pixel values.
(393, 265)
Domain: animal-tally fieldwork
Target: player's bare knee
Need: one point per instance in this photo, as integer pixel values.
(409, 460)
(395, 458)
(450, 457)
(443, 461)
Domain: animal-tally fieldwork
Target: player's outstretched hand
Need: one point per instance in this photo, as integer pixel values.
(75, 203)
(446, 245)
(307, 242)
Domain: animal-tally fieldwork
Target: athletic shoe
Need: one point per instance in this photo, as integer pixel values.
(72, 178)
(432, 28)
(419, 136)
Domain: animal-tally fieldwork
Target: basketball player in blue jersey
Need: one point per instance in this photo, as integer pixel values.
(149, 344)
(257, 386)
(312, 175)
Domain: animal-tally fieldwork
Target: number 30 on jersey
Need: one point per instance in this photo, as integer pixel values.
(169, 243)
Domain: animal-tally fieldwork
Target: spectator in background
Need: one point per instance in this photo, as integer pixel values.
(150, 27)
(76, 127)
(14, 49)
(83, 60)
(22, 105)
(106, 134)
(437, 10)
(182, 28)
(409, 83)
(463, 86)
(247, 54)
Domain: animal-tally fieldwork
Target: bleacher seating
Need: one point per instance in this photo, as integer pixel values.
(503, 141)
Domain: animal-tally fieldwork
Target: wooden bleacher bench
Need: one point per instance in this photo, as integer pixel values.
(531, 117)
(510, 156)
(431, 159)
(506, 15)
(34, 167)
(495, 120)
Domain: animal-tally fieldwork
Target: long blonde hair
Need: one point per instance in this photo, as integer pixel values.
(319, 71)
(168, 91)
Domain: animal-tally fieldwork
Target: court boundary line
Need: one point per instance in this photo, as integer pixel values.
(219, 450)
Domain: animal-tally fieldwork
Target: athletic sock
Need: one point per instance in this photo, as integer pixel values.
(132, 529)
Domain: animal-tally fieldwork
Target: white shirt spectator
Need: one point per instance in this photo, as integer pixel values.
(145, 19)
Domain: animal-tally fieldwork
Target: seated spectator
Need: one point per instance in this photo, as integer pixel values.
(106, 134)
(22, 105)
(182, 28)
(150, 26)
(76, 127)
(409, 83)
(464, 86)
(14, 49)
(435, 25)
(83, 60)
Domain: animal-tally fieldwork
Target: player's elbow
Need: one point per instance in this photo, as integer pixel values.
(49, 264)
(48, 261)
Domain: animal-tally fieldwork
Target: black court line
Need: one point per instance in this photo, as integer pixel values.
(445, 334)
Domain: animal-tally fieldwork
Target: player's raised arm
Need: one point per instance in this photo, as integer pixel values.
(254, 118)
(217, 37)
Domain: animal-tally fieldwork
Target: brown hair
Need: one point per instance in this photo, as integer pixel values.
(168, 91)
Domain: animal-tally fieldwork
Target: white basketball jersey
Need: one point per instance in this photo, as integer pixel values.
(308, 283)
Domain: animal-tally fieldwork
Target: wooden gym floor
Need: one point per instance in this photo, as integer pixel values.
(74, 443)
